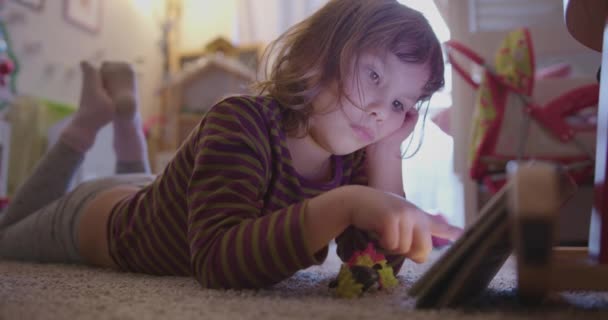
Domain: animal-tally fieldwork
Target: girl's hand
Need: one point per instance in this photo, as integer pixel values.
(395, 139)
(401, 227)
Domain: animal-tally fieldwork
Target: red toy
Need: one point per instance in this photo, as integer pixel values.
(6, 69)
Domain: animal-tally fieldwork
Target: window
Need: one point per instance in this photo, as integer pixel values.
(429, 178)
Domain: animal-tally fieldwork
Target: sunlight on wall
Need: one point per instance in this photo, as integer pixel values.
(203, 21)
(152, 8)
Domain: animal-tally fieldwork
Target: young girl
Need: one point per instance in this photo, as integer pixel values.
(263, 184)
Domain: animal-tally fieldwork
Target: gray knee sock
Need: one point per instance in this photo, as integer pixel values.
(49, 181)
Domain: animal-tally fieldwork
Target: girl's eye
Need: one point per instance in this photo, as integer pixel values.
(374, 76)
(398, 106)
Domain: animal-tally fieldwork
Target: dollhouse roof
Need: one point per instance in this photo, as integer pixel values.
(213, 62)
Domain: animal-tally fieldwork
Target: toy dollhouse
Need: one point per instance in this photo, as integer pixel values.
(190, 92)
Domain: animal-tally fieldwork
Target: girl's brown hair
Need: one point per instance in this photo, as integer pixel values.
(320, 50)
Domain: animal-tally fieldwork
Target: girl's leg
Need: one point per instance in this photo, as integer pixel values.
(129, 141)
(53, 174)
(54, 233)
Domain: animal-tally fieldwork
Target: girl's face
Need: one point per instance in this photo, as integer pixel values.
(380, 90)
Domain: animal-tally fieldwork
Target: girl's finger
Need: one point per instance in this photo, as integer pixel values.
(442, 229)
(421, 245)
(405, 236)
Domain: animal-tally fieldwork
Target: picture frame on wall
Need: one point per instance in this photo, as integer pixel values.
(35, 5)
(85, 15)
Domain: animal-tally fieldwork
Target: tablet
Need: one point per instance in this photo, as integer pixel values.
(464, 271)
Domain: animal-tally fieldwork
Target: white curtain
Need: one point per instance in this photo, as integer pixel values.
(429, 178)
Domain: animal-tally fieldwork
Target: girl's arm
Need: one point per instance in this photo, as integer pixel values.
(384, 168)
(384, 159)
(327, 216)
(379, 167)
(365, 173)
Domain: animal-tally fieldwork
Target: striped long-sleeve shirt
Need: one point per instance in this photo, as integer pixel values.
(229, 208)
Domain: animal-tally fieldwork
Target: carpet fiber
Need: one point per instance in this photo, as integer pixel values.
(37, 291)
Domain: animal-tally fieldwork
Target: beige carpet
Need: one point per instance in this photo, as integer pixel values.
(35, 291)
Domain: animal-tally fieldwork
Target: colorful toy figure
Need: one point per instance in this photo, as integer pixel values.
(365, 271)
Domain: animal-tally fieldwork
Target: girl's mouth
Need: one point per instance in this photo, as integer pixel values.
(363, 133)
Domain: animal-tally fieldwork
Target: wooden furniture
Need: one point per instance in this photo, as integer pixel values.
(197, 87)
(195, 81)
(538, 192)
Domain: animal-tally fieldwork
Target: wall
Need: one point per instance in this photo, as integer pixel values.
(203, 21)
(49, 49)
(129, 31)
(241, 21)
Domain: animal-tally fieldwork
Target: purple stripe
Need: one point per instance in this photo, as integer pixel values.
(264, 248)
(182, 159)
(176, 255)
(181, 173)
(172, 183)
(147, 256)
(198, 242)
(235, 131)
(232, 157)
(237, 187)
(231, 254)
(298, 236)
(143, 230)
(208, 170)
(200, 260)
(253, 127)
(152, 256)
(177, 213)
(281, 244)
(239, 106)
(222, 127)
(136, 259)
(276, 203)
(249, 257)
(171, 187)
(214, 260)
(205, 199)
(279, 194)
(231, 146)
(225, 194)
(230, 164)
(206, 218)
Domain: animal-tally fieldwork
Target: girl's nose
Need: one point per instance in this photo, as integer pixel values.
(376, 109)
